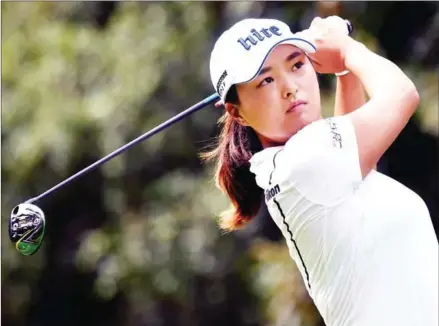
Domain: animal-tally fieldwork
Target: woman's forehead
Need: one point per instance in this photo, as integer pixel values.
(283, 53)
(285, 50)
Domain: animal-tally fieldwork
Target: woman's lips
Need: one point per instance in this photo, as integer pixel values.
(296, 105)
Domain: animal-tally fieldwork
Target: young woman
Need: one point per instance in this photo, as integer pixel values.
(364, 243)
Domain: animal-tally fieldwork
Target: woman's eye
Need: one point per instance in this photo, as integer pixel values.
(266, 81)
(297, 65)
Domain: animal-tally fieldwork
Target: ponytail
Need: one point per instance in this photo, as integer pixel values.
(236, 145)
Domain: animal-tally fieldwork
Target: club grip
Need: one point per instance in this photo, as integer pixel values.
(350, 26)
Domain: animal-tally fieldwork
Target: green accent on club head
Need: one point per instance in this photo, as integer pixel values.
(28, 248)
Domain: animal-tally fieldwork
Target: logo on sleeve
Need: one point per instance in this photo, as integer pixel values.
(336, 137)
(271, 192)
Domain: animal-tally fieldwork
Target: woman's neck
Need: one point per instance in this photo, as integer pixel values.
(267, 142)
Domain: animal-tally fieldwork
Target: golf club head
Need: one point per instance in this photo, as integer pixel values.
(27, 226)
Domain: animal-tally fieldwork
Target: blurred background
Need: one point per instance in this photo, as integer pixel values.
(136, 242)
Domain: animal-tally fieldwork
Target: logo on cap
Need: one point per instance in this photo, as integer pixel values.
(220, 85)
(253, 38)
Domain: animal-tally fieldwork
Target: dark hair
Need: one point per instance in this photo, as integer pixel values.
(235, 145)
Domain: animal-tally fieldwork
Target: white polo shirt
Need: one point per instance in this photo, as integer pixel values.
(366, 249)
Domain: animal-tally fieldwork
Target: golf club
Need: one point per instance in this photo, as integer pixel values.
(27, 222)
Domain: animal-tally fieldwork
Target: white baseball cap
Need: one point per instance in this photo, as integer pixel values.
(240, 52)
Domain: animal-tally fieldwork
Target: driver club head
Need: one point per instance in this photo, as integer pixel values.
(27, 225)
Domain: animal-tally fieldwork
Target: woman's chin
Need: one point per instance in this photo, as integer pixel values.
(301, 122)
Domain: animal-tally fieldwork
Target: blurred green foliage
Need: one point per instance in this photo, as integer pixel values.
(144, 225)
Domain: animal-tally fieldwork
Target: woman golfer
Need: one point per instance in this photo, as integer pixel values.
(364, 243)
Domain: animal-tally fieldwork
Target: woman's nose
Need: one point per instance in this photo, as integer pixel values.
(289, 90)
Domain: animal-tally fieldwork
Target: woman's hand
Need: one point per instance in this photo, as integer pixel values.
(330, 36)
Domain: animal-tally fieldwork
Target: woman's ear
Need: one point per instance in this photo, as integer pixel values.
(233, 110)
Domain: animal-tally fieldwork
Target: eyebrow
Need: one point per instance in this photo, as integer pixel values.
(289, 58)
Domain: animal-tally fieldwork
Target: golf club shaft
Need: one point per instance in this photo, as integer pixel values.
(196, 107)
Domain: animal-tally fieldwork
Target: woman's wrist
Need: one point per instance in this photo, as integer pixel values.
(350, 48)
(354, 50)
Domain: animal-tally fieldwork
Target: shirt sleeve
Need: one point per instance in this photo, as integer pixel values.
(321, 161)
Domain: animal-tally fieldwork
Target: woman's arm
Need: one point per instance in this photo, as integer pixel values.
(393, 100)
(349, 94)
(393, 97)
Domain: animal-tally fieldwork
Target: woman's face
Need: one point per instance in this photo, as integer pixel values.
(282, 99)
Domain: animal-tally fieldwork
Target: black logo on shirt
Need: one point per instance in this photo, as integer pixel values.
(271, 192)
(336, 137)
